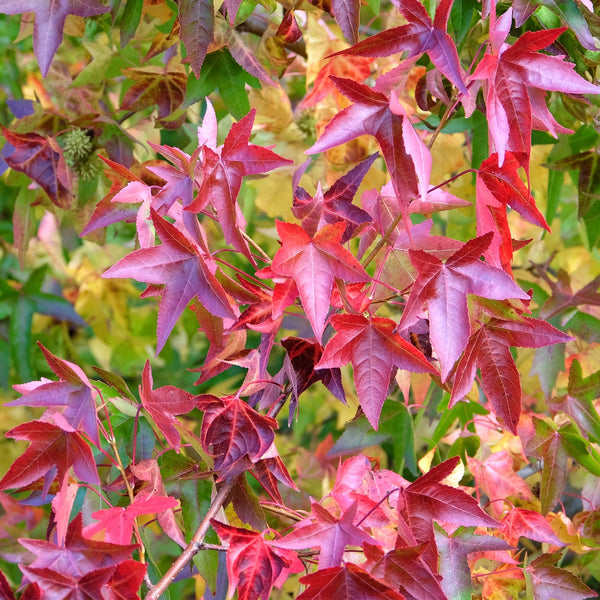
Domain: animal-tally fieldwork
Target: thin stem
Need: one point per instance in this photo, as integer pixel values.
(383, 241)
(265, 256)
(193, 547)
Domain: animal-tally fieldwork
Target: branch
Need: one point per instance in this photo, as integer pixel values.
(193, 547)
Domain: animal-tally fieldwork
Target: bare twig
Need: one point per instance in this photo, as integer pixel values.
(193, 547)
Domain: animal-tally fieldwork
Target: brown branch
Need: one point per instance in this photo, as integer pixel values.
(193, 547)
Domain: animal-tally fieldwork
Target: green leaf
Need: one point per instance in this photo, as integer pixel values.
(461, 17)
(548, 362)
(130, 20)
(20, 337)
(221, 72)
(116, 382)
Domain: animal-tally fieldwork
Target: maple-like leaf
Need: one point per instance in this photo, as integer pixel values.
(223, 170)
(563, 297)
(117, 522)
(254, 564)
(520, 522)
(52, 451)
(234, 433)
(197, 23)
(350, 582)
(182, 268)
(515, 82)
(443, 287)
(50, 16)
(335, 204)
(453, 551)
(489, 349)
(418, 36)
(550, 582)
(313, 263)
(40, 158)
(161, 86)
(163, 404)
(497, 188)
(371, 115)
(74, 392)
(78, 555)
(327, 532)
(404, 569)
(374, 350)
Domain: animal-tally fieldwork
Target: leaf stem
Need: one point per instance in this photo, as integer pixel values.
(384, 240)
(193, 547)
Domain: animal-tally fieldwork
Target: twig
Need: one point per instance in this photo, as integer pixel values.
(193, 547)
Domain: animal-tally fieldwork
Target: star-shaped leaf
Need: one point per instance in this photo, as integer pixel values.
(374, 350)
(313, 263)
(50, 16)
(184, 271)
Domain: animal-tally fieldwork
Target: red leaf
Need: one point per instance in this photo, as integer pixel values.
(118, 521)
(163, 403)
(74, 392)
(371, 115)
(374, 350)
(419, 35)
(51, 453)
(349, 582)
(313, 263)
(520, 522)
(550, 582)
(323, 530)
(516, 78)
(254, 565)
(40, 159)
(347, 15)
(443, 287)
(223, 170)
(404, 569)
(78, 555)
(234, 434)
(50, 16)
(183, 269)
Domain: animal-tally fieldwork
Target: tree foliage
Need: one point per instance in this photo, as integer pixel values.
(314, 288)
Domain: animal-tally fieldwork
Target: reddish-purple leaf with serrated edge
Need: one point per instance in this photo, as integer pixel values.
(419, 35)
(52, 451)
(255, 565)
(443, 287)
(78, 555)
(515, 82)
(374, 350)
(550, 582)
(184, 271)
(223, 170)
(50, 16)
(371, 115)
(150, 485)
(327, 532)
(453, 551)
(347, 15)
(74, 394)
(245, 56)
(197, 23)
(335, 204)
(163, 404)
(488, 349)
(40, 159)
(234, 434)
(314, 263)
(404, 570)
(117, 522)
(350, 582)
(520, 522)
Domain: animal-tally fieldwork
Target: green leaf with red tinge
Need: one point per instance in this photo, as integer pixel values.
(197, 22)
(550, 582)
